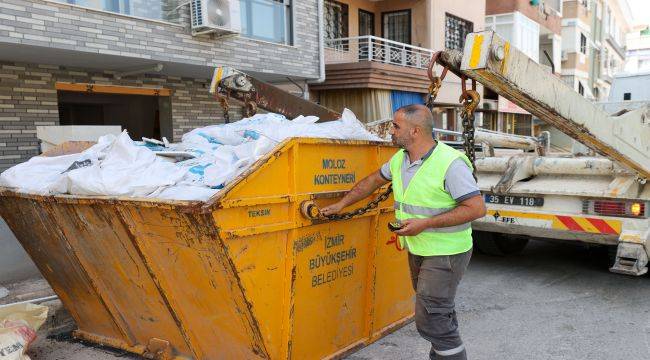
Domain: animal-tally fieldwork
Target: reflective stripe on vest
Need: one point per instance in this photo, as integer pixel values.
(429, 212)
(425, 197)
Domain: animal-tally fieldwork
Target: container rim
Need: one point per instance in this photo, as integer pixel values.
(183, 205)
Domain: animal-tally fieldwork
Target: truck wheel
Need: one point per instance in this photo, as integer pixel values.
(498, 245)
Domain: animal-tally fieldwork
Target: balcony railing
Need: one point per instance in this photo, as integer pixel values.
(372, 48)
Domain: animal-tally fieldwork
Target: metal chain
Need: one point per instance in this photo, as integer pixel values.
(245, 110)
(468, 137)
(250, 107)
(469, 99)
(223, 100)
(434, 88)
(362, 210)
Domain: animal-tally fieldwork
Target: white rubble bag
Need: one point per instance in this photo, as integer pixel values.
(211, 157)
(18, 326)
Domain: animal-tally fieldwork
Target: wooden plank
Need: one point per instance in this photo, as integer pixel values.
(111, 89)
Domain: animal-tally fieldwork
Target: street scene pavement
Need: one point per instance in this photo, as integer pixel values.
(554, 301)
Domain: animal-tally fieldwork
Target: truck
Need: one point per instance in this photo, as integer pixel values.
(598, 197)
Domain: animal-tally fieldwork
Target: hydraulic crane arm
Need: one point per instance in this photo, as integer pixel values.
(496, 64)
(229, 82)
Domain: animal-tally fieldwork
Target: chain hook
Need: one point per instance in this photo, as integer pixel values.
(436, 81)
(469, 98)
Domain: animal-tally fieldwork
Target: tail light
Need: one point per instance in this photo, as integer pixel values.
(621, 208)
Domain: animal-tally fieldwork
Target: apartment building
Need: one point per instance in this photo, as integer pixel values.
(593, 44)
(638, 51)
(138, 63)
(377, 52)
(535, 28)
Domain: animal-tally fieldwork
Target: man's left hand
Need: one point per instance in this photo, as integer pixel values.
(412, 227)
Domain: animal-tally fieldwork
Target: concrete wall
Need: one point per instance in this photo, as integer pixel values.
(65, 27)
(551, 22)
(15, 265)
(574, 9)
(636, 85)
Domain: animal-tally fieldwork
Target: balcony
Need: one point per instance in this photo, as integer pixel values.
(620, 49)
(370, 62)
(373, 48)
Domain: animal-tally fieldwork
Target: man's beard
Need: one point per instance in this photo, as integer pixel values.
(397, 142)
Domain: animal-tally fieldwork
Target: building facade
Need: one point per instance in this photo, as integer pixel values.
(533, 27)
(638, 51)
(137, 64)
(593, 46)
(377, 53)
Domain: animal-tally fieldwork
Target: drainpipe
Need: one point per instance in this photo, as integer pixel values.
(321, 52)
(321, 45)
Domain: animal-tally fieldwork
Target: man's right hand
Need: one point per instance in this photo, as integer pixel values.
(360, 191)
(332, 209)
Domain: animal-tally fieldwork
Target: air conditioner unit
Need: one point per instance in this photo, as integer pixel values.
(489, 104)
(565, 55)
(215, 16)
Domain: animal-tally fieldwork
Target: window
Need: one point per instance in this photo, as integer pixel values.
(644, 65)
(583, 43)
(581, 89)
(456, 29)
(627, 96)
(149, 9)
(366, 23)
(336, 20)
(518, 124)
(268, 20)
(396, 26)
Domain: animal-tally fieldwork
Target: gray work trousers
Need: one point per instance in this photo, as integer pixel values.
(435, 280)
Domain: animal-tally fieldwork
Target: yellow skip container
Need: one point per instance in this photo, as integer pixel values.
(243, 276)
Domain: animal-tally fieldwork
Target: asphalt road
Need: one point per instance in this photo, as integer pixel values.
(554, 301)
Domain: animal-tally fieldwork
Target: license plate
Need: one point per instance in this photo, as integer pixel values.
(514, 200)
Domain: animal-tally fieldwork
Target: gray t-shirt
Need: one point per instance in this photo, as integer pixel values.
(459, 182)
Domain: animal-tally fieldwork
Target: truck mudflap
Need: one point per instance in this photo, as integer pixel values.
(631, 259)
(631, 253)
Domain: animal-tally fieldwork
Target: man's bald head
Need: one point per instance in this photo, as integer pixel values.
(417, 115)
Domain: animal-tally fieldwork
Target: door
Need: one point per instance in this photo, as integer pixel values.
(143, 112)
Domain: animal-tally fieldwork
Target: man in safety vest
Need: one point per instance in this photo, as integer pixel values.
(436, 198)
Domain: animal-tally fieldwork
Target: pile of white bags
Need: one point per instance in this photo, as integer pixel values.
(118, 166)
